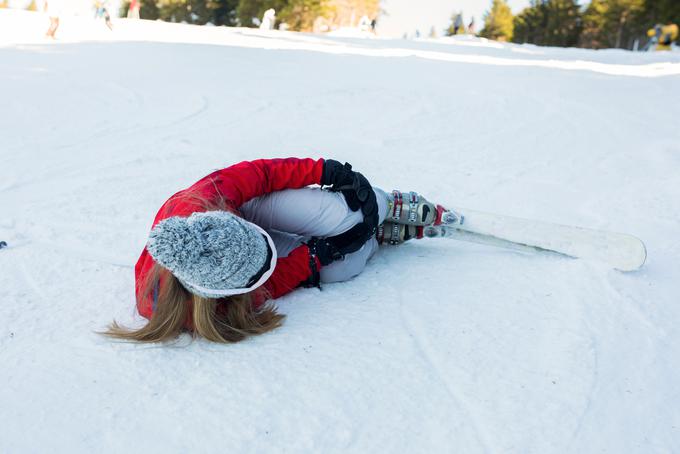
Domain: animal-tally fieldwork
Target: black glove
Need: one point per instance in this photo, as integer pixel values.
(354, 186)
(324, 249)
(357, 192)
(333, 248)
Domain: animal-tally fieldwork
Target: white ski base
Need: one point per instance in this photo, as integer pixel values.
(620, 251)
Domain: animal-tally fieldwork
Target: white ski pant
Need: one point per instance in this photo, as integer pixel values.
(293, 216)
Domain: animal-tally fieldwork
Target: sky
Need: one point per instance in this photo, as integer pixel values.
(405, 16)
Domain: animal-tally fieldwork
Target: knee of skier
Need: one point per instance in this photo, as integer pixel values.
(383, 203)
(351, 218)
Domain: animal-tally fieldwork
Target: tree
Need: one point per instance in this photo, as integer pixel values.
(529, 24)
(223, 12)
(217, 12)
(594, 23)
(661, 11)
(563, 23)
(124, 7)
(33, 6)
(148, 10)
(549, 23)
(347, 13)
(624, 17)
(301, 14)
(298, 14)
(174, 10)
(498, 22)
(613, 23)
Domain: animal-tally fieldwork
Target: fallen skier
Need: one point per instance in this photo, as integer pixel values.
(220, 250)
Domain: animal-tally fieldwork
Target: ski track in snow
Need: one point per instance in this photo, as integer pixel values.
(591, 392)
(594, 353)
(420, 342)
(439, 346)
(30, 281)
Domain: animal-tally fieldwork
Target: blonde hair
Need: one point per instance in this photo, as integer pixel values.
(223, 320)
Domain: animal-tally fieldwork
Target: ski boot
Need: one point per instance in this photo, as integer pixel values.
(417, 219)
(391, 233)
(418, 211)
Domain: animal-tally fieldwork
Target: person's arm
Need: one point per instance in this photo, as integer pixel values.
(291, 272)
(249, 179)
(241, 182)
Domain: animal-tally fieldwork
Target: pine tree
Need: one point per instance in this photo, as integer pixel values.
(594, 23)
(346, 13)
(301, 14)
(190, 11)
(563, 23)
(222, 12)
(549, 23)
(498, 23)
(124, 6)
(624, 18)
(529, 24)
(661, 12)
(174, 10)
(33, 6)
(613, 23)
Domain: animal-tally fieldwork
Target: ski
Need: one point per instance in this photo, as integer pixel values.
(620, 251)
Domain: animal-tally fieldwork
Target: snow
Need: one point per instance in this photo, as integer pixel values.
(440, 346)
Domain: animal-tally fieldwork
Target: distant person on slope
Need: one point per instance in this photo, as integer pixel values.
(268, 20)
(53, 10)
(458, 26)
(364, 23)
(133, 10)
(101, 10)
(240, 236)
(471, 27)
(107, 19)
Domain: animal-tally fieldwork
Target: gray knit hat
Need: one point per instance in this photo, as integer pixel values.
(213, 254)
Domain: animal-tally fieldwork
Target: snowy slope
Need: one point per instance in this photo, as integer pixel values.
(439, 346)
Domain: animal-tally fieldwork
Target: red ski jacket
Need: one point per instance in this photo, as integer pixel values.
(236, 185)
